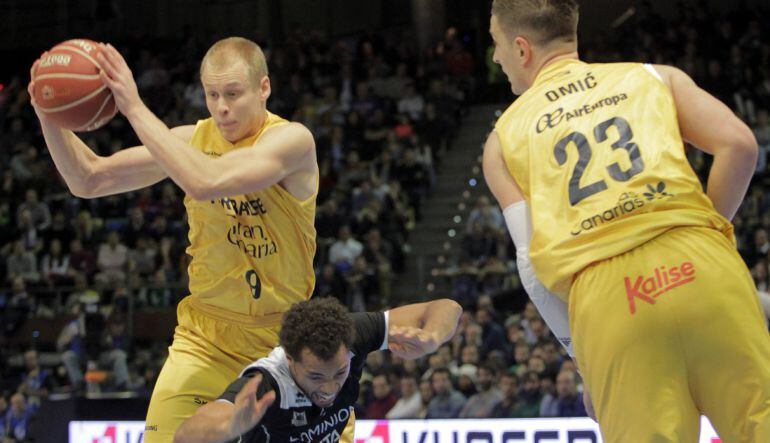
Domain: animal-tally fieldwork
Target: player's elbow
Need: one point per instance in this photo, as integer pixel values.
(85, 188)
(738, 143)
(91, 180)
(81, 193)
(453, 307)
(745, 144)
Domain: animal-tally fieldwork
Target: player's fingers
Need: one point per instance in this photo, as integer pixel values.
(251, 387)
(400, 350)
(106, 64)
(115, 56)
(260, 407)
(109, 82)
(106, 51)
(412, 337)
(246, 398)
(402, 332)
(266, 400)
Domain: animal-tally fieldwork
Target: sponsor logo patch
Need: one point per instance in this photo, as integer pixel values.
(648, 288)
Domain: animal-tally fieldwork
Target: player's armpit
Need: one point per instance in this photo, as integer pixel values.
(499, 180)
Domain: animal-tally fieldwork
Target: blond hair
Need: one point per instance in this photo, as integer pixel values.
(544, 21)
(229, 51)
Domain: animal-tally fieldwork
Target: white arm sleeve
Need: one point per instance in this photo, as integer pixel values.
(552, 308)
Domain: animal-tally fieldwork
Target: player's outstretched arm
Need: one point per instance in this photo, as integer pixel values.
(222, 421)
(89, 175)
(712, 127)
(419, 329)
(282, 151)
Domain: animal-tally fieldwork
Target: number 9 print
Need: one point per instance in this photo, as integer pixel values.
(252, 279)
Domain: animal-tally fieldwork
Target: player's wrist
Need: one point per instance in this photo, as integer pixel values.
(135, 111)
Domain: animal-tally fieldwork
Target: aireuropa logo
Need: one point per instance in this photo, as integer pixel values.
(106, 432)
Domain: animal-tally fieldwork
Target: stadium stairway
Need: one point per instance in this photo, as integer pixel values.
(435, 241)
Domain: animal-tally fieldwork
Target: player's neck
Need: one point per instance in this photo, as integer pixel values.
(259, 123)
(551, 57)
(556, 56)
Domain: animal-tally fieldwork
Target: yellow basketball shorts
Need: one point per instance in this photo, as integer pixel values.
(671, 330)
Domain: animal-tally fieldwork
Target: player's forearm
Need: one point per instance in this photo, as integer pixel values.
(210, 426)
(189, 168)
(441, 317)
(730, 176)
(73, 159)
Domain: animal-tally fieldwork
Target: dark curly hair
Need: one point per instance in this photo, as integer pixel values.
(320, 324)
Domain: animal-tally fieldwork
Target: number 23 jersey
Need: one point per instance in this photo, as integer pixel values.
(597, 151)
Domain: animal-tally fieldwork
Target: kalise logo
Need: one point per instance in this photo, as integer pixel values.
(662, 280)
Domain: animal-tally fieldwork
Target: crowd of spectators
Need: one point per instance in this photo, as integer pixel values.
(382, 112)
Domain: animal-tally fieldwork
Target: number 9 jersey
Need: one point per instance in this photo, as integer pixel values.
(597, 151)
(252, 255)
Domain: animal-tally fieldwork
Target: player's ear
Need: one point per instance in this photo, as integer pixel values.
(522, 50)
(265, 88)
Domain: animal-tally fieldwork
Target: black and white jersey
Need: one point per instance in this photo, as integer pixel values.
(293, 417)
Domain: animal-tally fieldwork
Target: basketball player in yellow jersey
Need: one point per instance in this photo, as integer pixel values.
(251, 180)
(614, 231)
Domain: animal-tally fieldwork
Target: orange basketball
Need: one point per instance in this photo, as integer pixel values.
(68, 88)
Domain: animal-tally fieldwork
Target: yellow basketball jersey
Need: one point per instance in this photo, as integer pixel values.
(597, 152)
(251, 254)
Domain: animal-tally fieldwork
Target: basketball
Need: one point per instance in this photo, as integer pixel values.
(68, 88)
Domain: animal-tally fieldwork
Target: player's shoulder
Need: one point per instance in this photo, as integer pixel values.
(670, 75)
(616, 67)
(292, 134)
(508, 115)
(269, 378)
